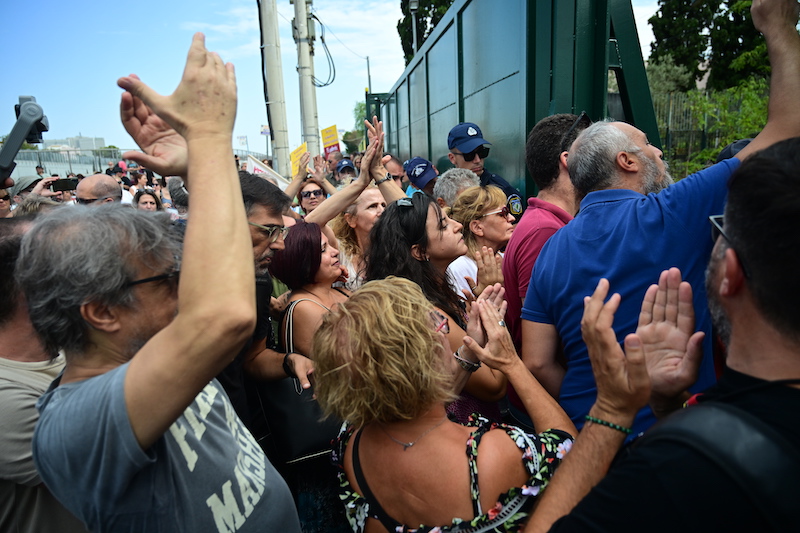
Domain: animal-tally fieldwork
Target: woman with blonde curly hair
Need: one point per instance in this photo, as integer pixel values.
(385, 365)
(488, 226)
(352, 228)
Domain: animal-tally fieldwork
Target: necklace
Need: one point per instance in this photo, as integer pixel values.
(407, 445)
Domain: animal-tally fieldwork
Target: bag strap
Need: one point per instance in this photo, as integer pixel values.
(754, 455)
(288, 330)
(375, 508)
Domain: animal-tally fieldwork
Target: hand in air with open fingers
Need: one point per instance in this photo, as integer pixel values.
(490, 270)
(673, 350)
(204, 103)
(302, 167)
(165, 151)
(623, 386)
(499, 352)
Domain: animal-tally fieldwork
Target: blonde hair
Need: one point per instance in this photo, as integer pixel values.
(471, 204)
(377, 356)
(348, 240)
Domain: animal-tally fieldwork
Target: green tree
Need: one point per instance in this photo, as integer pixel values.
(429, 14)
(359, 114)
(735, 46)
(25, 144)
(680, 31)
(664, 76)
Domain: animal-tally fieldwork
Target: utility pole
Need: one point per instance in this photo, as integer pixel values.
(275, 99)
(305, 70)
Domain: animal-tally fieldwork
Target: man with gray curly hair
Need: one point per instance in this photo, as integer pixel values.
(452, 183)
(136, 435)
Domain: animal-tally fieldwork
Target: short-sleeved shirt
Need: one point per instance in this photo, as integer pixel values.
(205, 474)
(629, 239)
(541, 455)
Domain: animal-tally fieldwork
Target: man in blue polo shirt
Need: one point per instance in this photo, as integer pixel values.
(631, 226)
(468, 149)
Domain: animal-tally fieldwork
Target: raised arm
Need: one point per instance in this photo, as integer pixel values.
(299, 178)
(341, 200)
(777, 20)
(389, 189)
(213, 319)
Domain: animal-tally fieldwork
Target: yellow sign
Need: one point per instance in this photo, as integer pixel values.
(294, 157)
(330, 136)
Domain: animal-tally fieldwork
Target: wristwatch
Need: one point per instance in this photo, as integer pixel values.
(384, 180)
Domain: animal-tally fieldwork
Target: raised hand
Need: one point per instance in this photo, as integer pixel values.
(499, 352)
(202, 107)
(490, 270)
(623, 386)
(673, 350)
(165, 150)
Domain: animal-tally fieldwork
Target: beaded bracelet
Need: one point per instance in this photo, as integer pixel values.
(625, 430)
(466, 364)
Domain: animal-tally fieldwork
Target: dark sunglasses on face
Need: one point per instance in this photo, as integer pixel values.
(315, 192)
(717, 230)
(85, 201)
(481, 151)
(6, 197)
(502, 212)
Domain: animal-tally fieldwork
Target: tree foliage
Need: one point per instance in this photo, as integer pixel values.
(429, 14)
(714, 35)
(734, 42)
(678, 28)
(664, 76)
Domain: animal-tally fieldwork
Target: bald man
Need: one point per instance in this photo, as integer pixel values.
(98, 188)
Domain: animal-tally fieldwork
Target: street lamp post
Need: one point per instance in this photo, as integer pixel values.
(413, 6)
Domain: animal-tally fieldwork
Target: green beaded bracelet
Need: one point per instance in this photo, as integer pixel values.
(625, 430)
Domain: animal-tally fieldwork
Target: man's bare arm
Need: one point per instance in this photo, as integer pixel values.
(777, 20)
(539, 350)
(214, 319)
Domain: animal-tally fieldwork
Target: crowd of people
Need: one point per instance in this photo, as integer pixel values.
(349, 353)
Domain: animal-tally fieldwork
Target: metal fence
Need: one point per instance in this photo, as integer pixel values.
(86, 162)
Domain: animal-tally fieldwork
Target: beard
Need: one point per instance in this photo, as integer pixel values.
(654, 180)
(719, 320)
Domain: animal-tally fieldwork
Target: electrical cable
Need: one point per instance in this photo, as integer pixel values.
(328, 57)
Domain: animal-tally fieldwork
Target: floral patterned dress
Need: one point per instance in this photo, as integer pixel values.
(541, 454)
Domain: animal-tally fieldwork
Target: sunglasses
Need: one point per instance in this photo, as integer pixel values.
(175, 274)
(481, 151)
(273, 231)
(442, 322)
(85, 201)
(309, 194)
(565, 140)
(6, 197)
(502, 212)
(717, 224)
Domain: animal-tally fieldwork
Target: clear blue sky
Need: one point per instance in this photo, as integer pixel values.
(70, 54)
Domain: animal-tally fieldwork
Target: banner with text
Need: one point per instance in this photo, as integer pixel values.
(295, 157)
(330, 140)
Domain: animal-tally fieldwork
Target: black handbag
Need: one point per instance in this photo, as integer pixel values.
(297, 428)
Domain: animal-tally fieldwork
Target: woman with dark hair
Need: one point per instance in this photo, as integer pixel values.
(416, 240)
(309, 266)
(386, 366)
(147, 200)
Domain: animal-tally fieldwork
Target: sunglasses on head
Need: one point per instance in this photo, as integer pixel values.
(309, 194)
(481, 151)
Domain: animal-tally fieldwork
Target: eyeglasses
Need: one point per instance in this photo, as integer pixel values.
(85, 201)
(400, 177)
(717, 223)
(442, 322)
(502, 212)
(565, 139)
(273, 231)
(169, 275)
(481, 151)
(315, 192)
